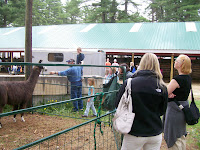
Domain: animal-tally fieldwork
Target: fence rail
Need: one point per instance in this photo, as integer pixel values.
(86, 135)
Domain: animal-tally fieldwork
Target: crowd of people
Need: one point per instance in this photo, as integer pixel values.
(151, 99)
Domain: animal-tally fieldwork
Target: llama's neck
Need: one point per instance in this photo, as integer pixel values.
(33, 77)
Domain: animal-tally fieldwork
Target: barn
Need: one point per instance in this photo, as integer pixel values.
(124, 41)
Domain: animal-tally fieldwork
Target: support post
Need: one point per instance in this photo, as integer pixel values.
(28, 37)
(172, 67)
(11, 58)
(132, 57)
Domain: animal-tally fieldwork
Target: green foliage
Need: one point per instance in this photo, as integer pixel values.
(131, 18)
(12, 13)
(53, 12)
(173, 10)
(39, 9)
(72, 11)
(50, 12)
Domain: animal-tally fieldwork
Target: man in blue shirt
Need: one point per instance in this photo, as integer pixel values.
(74, 76)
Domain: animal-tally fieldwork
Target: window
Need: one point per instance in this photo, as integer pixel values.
(55, 57)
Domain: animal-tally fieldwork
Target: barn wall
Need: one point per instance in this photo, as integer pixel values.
(165, 65)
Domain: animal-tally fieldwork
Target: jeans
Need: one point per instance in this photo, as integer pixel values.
(76, 92)
(90, 104)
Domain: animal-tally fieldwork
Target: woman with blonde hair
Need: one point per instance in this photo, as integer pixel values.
(178, 90)
(149, 99)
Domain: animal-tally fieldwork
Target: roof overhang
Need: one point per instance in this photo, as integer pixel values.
(160, 52)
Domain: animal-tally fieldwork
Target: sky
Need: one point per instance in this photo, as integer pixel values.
(141, 8)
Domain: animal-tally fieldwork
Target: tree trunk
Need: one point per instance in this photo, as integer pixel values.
(126, 7)
(113, 11)
(5, 17)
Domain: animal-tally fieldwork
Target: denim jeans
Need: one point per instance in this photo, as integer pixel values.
(76, 92)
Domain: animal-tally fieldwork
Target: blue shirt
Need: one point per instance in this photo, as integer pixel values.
(89, 92)
(73, 74)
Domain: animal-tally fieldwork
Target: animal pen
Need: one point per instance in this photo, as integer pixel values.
(51, 100)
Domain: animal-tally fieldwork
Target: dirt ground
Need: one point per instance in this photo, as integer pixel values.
(36, 127)
(16, 134)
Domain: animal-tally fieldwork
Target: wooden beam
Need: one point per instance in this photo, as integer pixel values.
(11, 58)
(132, 57)
(172, 67)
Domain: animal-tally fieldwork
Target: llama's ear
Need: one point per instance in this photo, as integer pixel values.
(40, 61)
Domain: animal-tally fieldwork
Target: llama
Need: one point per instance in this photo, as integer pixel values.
(18, 93)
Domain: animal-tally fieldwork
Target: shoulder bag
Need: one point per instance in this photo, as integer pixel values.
(191, 112)
(123, 118)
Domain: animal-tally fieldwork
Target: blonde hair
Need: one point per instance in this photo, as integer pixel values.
(131, 63)
(150, 62)
(92, 80)
(186, 64)
(79, 48)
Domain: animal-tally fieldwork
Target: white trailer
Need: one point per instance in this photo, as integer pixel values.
(60, 56)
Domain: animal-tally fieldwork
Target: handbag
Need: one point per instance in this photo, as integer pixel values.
(123, 118)
(191, 112)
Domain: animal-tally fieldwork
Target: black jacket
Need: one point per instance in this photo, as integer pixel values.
(80, 58)
(149, 103)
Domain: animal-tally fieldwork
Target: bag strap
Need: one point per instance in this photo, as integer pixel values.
(125, 97)
(129, 98)
(128, 86)
(192, 97)
(181, 106)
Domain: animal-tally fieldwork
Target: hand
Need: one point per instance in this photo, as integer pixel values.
(52, 72)
(171, 95)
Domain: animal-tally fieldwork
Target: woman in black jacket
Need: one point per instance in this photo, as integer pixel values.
(149, 99)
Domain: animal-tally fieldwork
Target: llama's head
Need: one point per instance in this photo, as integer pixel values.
(40, 68)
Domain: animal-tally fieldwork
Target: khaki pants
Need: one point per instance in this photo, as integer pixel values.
(180, 144)
(131, 142)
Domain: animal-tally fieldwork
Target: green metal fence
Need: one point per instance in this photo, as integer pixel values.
(53, 99)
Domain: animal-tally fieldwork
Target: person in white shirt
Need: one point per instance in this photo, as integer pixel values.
(115, 64)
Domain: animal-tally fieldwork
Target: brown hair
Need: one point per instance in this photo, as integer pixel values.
(125, 65)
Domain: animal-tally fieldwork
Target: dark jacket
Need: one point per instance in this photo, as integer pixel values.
(80, 58)
(149, 103)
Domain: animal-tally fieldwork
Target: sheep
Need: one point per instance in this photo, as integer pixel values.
(18, 93)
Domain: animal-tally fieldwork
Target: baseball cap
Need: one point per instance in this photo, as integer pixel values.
(70, 60)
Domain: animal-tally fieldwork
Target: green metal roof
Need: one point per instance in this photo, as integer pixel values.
(170, 37)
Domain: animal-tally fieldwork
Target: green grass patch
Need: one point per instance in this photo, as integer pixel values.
(7, 108)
